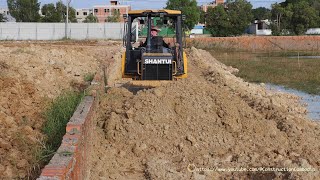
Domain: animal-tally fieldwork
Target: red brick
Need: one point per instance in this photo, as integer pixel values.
(71, 140)
(53, 171)
(76, 141)
(71, 128)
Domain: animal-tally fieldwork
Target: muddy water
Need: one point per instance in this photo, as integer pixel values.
(312, 101)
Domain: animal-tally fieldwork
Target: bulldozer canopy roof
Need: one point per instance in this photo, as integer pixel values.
(170, 12)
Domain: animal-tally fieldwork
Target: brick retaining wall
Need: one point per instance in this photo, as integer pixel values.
(69, 160)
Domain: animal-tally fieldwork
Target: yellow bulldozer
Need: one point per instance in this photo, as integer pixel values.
(154, 59)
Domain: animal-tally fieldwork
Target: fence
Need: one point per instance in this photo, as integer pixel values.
(56, 31)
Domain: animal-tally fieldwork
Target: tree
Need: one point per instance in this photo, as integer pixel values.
(315, 4)
(189, 8)
(115, 16)
(202, 17)
(57, 13)
(304, 17)
(24, 10)
(50, 13)
(261, 13)
(281, 17)
(240, 15)
(218, 22)
(2, 18)
(230, 21)
(295, 16)
(91, 19)
(62, 10)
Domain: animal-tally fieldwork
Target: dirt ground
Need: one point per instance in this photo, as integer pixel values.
(31, 75)
(212, 120)
(259, 43)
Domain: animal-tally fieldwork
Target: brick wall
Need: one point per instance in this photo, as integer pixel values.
(70, 160)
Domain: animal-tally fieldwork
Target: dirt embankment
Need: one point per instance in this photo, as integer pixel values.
(211, 119)
(259, 43)
(31, 75)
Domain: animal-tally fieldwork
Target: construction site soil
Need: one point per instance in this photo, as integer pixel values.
(212, 119)
(31, 75)
(259, 43)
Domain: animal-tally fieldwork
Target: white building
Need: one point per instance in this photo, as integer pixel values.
(81, 14)
(6, 14)
(198, 29)
(4, 11)
(260, 28)
(313, 31)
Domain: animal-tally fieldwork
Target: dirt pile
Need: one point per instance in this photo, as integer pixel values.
(31, 75)
(259, 43)
(212, 119)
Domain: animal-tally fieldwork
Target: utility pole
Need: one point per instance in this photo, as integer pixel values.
(67, 18)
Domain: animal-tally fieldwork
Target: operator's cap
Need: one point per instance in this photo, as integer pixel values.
(155, 28)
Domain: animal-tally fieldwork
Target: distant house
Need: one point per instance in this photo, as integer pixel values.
(5, 12)
(81, 14)
(211, 4)
(313, 31)
(104, 11)
(260, 28)
(198, 29)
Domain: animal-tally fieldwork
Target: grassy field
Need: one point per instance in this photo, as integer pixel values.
(281, 68)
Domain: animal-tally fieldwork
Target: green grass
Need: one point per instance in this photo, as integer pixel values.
(275, 68)
(287, 53)
(88, 77)
(56, 117)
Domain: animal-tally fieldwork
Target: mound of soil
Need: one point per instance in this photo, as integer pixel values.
(212, 119)
(31, 75)
(259, 43)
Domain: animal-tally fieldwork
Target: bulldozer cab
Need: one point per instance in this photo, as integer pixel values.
(150, 55)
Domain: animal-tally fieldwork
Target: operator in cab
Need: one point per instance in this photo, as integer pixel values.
(154, 37)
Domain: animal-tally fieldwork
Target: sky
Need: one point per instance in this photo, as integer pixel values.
(141, 4)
